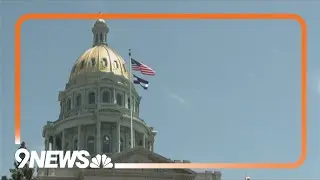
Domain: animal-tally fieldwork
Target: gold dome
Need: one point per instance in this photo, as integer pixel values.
(100, 59)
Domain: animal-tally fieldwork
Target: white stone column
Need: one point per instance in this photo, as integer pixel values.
(134, 138)
(144, 141)
(98, 141)
(126, 104)
(63, 140)
(134, 110)
(118, 136)
(79, 138)
(114, 96)
(152, 145)
(54, 143)
(46, 144)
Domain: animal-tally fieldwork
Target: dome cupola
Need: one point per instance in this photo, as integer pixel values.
(100, 58)
(100, 31)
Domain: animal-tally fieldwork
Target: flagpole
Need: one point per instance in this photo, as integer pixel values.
(131, 104)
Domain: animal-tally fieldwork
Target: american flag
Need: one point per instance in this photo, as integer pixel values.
(144, 69)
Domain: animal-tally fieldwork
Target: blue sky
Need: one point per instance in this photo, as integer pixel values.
(225, 91)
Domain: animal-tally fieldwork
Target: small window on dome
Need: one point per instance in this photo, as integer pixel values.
(117, 65)
(105, 61)
(93, 61)
(82, 64)
(124, 68)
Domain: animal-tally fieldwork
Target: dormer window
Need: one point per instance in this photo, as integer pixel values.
(105, 61)
(117, 65)
(93, 61)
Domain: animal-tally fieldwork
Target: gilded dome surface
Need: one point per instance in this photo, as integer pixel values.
(100, 58)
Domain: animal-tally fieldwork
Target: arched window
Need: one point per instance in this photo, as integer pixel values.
(92, 98)
(90, 144)
(75, 144)
(106, 144)
(78, 100)
(119, 100)
(68, 104)
(124, 67)
(106, 97)
(121, 144)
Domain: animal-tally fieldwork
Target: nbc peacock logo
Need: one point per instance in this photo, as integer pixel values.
(101, 161)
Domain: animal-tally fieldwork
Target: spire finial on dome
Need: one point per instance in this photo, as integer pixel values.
(100, 31)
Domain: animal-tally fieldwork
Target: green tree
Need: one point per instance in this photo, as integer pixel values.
(24, 173)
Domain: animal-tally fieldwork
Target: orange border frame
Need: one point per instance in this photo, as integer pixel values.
(299, 19)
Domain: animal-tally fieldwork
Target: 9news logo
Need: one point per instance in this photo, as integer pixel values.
(68, 159)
